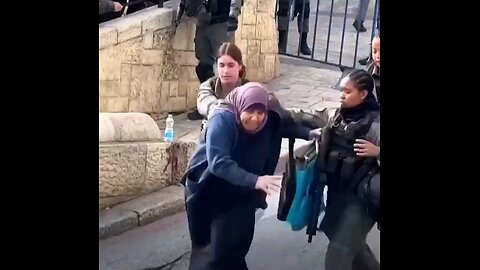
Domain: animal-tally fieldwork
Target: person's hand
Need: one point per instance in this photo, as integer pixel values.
(366, 149)
(269, 184)
(117, 6)
(315, 134)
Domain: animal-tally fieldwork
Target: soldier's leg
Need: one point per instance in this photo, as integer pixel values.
(303, 21)
(283, 20)
(348, 236)
(365, 260)
(204, 68)
(361, 15)
(232, 235)
(204, 53)
(217, 35)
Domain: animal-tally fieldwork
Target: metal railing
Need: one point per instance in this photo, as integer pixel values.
(348, 44)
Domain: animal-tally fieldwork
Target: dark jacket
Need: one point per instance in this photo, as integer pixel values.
(215, 155)
(375, 72)
(105, 6)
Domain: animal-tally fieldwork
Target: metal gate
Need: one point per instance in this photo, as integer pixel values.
(334, 39)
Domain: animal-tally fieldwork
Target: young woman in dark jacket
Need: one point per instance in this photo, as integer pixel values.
(231, 173)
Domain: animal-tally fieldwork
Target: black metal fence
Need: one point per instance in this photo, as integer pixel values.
(331, 42)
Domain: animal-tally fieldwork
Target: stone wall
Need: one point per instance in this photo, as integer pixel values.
(146, 65)
(257, 37)
(133, 159)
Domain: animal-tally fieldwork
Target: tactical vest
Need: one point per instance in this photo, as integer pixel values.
(343, 167)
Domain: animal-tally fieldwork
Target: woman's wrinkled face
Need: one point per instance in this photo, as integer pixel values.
(351, 96)
(228, 69)
(376, 51)
(253, 117)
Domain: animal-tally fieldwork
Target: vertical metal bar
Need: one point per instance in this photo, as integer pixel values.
(160, 3)
(301, 26)
(343, 33)
(329, 31)
(276, 16)
(374, 24)
(315, 30)
(356, 49)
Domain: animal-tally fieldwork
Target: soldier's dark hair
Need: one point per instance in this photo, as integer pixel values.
(362, 79)
(233, 51)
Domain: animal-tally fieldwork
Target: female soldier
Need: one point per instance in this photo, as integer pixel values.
(374, 67)
(348, 150)
(231, 173)
(231, 74)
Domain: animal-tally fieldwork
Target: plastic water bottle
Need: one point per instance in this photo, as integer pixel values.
(169, 133)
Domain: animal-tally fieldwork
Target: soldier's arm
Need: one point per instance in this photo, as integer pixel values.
(105, 6)
(311, 119)
(373, 134)
(316, 118)
(206, 97)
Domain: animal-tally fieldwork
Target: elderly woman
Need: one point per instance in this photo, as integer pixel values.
(231, 173)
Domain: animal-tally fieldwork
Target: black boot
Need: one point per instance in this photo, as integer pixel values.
(364, 60)
(282, 41)
(304, 49)
(359, 26)
(194, 115)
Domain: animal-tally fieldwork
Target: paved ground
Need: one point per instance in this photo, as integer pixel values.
(166, 243)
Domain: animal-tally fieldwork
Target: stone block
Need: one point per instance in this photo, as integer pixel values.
(269, 46)
(154, 206)
(148, 40)
(267, 6)
(103, 104)
(248, 32)
(184, 36)
(252, 61)
(186, 58)
(152, 57)
(117, 104)
(177, 104)
(253, 47)
(121, 169)
(145, 89)
(130, 50)
(157, 18)
(192, 92)
(270, 65)
(265, 26)
(125, 80)
(107, 36)
(127, 127)
(109, 88)
(109, 64)
(115, 221)
(173, 89)
(249, 14)
(128, 29)
(169, 68)
(163, 39)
